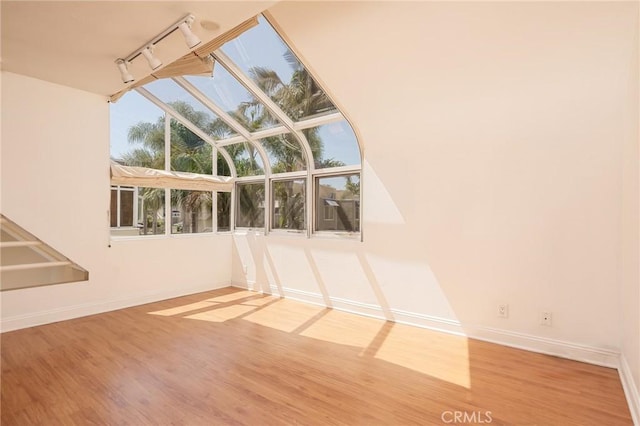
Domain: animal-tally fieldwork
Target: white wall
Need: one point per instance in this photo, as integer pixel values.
(55, 183)
(630, 253)
(493, 137)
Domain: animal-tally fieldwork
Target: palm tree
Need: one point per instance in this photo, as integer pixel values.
(299, 98)
(251, 203)
(189, 153)
(152, 208)
(149, 138)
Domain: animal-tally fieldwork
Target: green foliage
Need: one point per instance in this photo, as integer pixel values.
(289, 198)
(353, 185)
(251, 201)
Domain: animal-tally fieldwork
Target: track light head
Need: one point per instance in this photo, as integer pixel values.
(190, 38)
(183, 24)
(154, 63)
(124, 71)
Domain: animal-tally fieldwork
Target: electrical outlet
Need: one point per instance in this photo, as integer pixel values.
(503, 310)
(545, 318)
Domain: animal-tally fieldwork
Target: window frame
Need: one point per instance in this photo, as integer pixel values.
(265, 203)
(286, 177)
(134, 212)
(311, 174)
(213, 211)
(317, 210)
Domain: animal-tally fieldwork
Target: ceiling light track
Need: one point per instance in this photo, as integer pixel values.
(146, 50)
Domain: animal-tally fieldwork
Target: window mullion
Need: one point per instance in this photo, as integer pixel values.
(318, 121)
(168, 218)
(135, 206)
(214, 194)
(311, 205)
(118, 207)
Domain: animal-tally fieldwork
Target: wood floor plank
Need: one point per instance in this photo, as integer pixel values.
(232, 357)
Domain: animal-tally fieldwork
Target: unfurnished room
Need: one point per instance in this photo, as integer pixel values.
(320, 213)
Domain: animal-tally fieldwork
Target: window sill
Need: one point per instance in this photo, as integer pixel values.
(116, 238)
(335, 235)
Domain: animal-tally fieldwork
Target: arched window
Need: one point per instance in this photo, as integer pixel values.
(268, 124)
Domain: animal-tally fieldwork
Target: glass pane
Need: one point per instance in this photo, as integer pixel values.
(288, 204)
(113, 217)
(338, 203)
(266, 59)
(285, 153)
(250, 205)
(190, 108)
(122, 207)
(246, 159)
(137, 132)
(333, 145)
(230, 95)
(224, 211)
(151, 211)
(191, 212)
(223, 167)
(126, 207)
(189, 153)
(143, 217)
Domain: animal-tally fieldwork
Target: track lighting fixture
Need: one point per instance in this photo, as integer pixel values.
(154, 63)
(124, 71)
(190, 38)
(183, 24)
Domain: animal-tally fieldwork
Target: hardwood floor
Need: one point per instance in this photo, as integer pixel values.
(232, 357)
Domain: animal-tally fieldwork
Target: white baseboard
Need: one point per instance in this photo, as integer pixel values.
(630, 390)
(560, 348)
(375, 311)
(593, 355)
(70, 312)
(247, 285)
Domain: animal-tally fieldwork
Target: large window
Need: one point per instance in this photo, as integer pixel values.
(259, 117)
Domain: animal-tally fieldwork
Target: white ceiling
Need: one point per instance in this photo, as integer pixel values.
(75, 43)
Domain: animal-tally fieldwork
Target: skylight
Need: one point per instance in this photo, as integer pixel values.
(278, 72)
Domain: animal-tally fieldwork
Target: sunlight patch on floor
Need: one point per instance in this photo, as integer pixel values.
(233, 296)
(439, 355)
(343, 328)
(222, 314)
(445, 357)
(184, 308)
(264, 300)
(296, 315)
